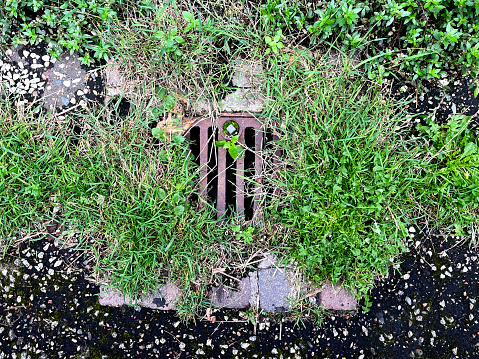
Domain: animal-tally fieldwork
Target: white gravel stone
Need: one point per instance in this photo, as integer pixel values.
(444, 82)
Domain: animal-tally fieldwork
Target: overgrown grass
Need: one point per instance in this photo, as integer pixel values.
(187, 48)
(354, 177)
(115, 182)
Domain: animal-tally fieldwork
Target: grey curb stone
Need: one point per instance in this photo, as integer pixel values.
(274, 289)
(269, 289)
(269, 261)
(243, 100)
(115, 82)
(222, 298)
(163, 299)
(254, 297)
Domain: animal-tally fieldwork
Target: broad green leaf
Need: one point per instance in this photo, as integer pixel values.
(163, 155)
(233, 151)
(160, 92)
(176, 197)
(469, 149)
(157, 132)
(169, 102)
(188, 16)
(178, 139)
(179, 210)
(162, 193)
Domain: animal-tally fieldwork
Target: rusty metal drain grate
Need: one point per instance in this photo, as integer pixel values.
(222, 179)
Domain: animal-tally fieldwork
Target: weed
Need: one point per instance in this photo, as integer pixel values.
(114, 183)
(274, 43)
(352, 180)
(246, 236)
(233, 149)
(424, 39)
(64, 25)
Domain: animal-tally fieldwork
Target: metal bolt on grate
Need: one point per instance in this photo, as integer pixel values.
(228, 125)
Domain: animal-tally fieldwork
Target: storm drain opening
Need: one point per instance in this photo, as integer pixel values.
(233, 186)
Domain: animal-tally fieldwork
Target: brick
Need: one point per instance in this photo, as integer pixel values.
(334, 297)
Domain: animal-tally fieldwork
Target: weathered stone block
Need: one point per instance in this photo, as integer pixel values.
(164, 298)
(223, 298)
(334, 297)
(274, 289)
(247, 73)
(243, 100)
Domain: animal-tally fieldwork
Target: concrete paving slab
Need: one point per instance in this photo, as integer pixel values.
(64, 80)
(59, 84)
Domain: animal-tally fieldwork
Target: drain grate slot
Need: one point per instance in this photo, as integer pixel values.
(231, 181)
(209, 172)
(230, 185)
(249, 166)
